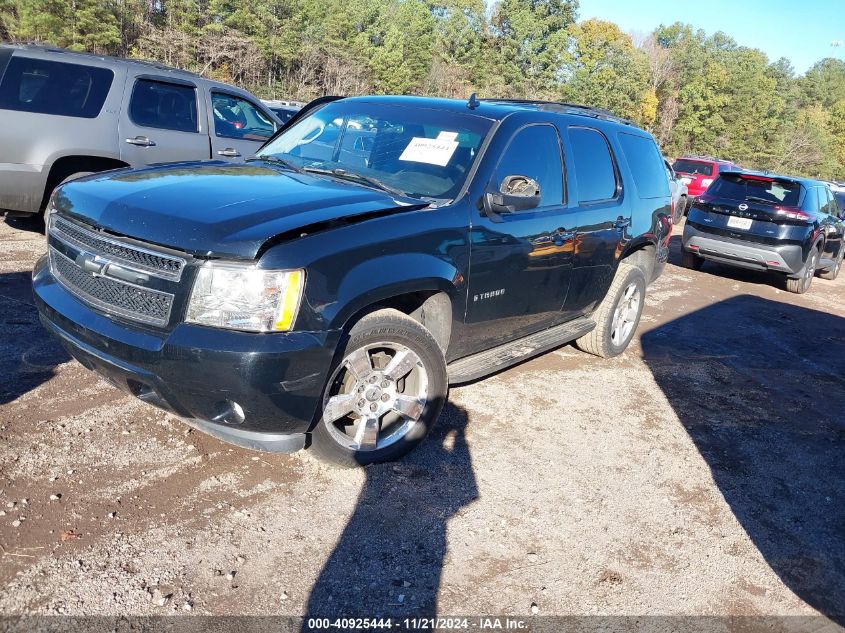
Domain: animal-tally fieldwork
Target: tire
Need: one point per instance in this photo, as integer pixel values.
(614, 329)
(802, 283)
(691, 260)
(833, 272)
(680, 210)
(41, 217)
(349, 434)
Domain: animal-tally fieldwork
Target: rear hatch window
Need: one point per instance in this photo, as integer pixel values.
(693, 167)
(756, 190)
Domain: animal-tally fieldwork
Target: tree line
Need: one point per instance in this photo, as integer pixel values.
(698, 93)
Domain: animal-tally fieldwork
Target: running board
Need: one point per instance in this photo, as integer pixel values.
(492, 360)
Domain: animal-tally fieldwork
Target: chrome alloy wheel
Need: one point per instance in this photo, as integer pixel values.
(625, 315)
(810, 269)
(376, 396)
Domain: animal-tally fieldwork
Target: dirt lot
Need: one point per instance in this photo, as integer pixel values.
(700, 473)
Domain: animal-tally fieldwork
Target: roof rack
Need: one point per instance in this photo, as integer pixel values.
(569, 108)
(129, 60)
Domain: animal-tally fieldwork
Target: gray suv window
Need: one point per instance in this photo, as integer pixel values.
(235, 117)
(166, 106)
(47, 87)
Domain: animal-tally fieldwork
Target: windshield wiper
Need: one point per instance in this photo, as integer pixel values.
(356, 177)
(270, 158)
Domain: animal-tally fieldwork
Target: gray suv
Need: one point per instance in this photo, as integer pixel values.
(67, 114)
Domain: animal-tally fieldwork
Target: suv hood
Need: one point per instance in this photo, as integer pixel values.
(216, 208)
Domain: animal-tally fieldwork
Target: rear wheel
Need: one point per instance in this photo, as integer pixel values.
(618, 314)
(679, 210)
(691, 260)
(833, 272)
(801, 284)
(385, 394)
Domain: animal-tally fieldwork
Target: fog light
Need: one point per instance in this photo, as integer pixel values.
(228, 412)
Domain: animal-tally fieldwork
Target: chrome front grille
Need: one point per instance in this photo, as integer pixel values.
(159, 264)
(110, 295)
(112, 276)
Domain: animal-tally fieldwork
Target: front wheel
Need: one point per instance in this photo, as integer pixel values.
(833, 272)
(618, 314)
(801, 284)
(384, 395)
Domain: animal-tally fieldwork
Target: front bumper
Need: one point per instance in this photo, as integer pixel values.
(200, 373)
(786, 258)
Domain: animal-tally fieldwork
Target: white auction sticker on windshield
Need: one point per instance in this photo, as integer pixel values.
(429, 150)
(447, 136)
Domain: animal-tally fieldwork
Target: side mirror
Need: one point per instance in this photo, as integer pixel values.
(516, 193)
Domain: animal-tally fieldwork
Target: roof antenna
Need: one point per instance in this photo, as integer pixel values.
(473, 102)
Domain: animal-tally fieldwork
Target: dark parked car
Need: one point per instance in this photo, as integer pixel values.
(767, 222)
(284, 110)
(328, 298)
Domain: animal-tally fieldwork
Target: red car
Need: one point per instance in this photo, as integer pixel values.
(697, 173)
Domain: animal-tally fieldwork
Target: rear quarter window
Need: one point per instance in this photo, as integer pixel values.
(59, 88)
(646, 165)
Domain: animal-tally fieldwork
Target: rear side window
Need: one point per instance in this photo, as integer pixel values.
(594, 169)
(535, 152)
(646, 165)
(756, 189)
(48, 87)
(163, 105)
(693, 167)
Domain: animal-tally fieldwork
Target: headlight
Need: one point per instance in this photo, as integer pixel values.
(242, 297)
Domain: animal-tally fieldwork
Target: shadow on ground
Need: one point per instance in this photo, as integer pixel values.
(390, 556)
(760, 387)
(28, 355)
(30, 223)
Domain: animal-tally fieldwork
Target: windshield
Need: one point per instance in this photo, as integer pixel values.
(756, 189)
(693, 167)
(420, 152)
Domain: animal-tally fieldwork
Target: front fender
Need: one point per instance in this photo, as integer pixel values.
(376, 280)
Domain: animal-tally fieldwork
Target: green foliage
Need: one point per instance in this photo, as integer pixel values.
(697, 93)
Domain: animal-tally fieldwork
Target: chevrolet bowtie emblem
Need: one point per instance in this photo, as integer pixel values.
(102, 267)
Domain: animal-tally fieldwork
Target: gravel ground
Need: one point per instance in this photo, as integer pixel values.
(699, 473)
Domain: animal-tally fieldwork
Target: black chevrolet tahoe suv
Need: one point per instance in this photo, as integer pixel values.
(378, 249)
(762, 221)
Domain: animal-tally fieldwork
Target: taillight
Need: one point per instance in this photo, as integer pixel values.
(706, 182)
(791, 214)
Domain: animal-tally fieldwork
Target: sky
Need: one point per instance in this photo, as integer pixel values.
(800, 31)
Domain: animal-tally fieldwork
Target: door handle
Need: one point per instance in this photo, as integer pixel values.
(229, 151)
(141, 141)
(622, 222)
